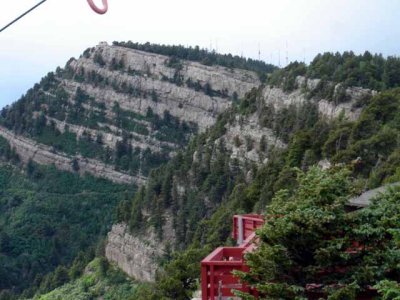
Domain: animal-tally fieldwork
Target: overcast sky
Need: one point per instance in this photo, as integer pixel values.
(58, 30)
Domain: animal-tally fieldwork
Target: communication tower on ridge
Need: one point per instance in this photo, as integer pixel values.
(279, 58)
(287, 53)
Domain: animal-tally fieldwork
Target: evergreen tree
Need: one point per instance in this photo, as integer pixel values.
(309, 237)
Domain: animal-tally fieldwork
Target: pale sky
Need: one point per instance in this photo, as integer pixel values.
(58, 30)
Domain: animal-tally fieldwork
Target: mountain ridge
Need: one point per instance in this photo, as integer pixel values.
(122, 108)
(236, 161)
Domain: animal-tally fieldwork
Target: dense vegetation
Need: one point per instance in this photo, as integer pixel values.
(99, 280)
(47, 218)
(203, 186)
(342, 254)
(368, 71)
(37, 114)
(212, 187)
(203, 56)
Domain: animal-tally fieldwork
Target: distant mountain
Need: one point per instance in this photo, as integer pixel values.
(118, 112)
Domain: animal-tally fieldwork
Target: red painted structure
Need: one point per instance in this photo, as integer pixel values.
(249, 223)
(217, 279)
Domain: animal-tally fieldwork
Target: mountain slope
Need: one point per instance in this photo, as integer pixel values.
(250, 155)
(47, 218)
(122, 109)
(99, 280)
(114, 113)
(237, 163)
(259, 132)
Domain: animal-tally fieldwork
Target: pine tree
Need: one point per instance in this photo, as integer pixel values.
(310, 238)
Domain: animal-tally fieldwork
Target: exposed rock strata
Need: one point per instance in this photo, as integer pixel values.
(137, 255)
(185, 103)
(220, 78)
(110, 139)
(329, 109)
(243, 139)
(132, 254)
(41, 154)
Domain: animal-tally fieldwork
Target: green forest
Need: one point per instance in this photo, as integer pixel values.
(49, 220)
(366, 70)
(216, 188)
(326, 235)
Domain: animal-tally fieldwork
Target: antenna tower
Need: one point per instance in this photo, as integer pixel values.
(279, 58)
(287, 54)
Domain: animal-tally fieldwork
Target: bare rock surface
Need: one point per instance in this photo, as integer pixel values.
(138, 254)
(329, 109)
(181, 101)
(135, 255)
(28, 149)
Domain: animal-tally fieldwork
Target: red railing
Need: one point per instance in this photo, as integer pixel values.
(216, 273)
(217, 279)
(245, 225)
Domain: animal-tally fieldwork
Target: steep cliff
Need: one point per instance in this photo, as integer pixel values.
(268, 131)
(28, 149)
(353, 98)
(136, 255)
(122, 109)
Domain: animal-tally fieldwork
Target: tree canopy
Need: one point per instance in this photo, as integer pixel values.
(366, 70)
(310, 238)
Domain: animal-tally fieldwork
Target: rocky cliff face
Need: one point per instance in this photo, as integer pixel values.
(248, 140)
(121, 110)
(29, 150)
(150, 73)
(327, 108)
(135, 255)
(249, 137)
(138, 255)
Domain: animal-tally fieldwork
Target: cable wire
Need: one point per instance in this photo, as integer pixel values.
(23, 15)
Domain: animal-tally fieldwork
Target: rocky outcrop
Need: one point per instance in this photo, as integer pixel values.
(109, 139)
(136, 105)
(135, 255)
(220, 78)
(41, 154)
(247, 140)
(185, 104)
(327, 108)
(150, 73)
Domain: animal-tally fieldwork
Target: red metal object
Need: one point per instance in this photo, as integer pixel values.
(218, 282)
(217, 279)
(98, 10)
(245, 225)
(216, 273)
